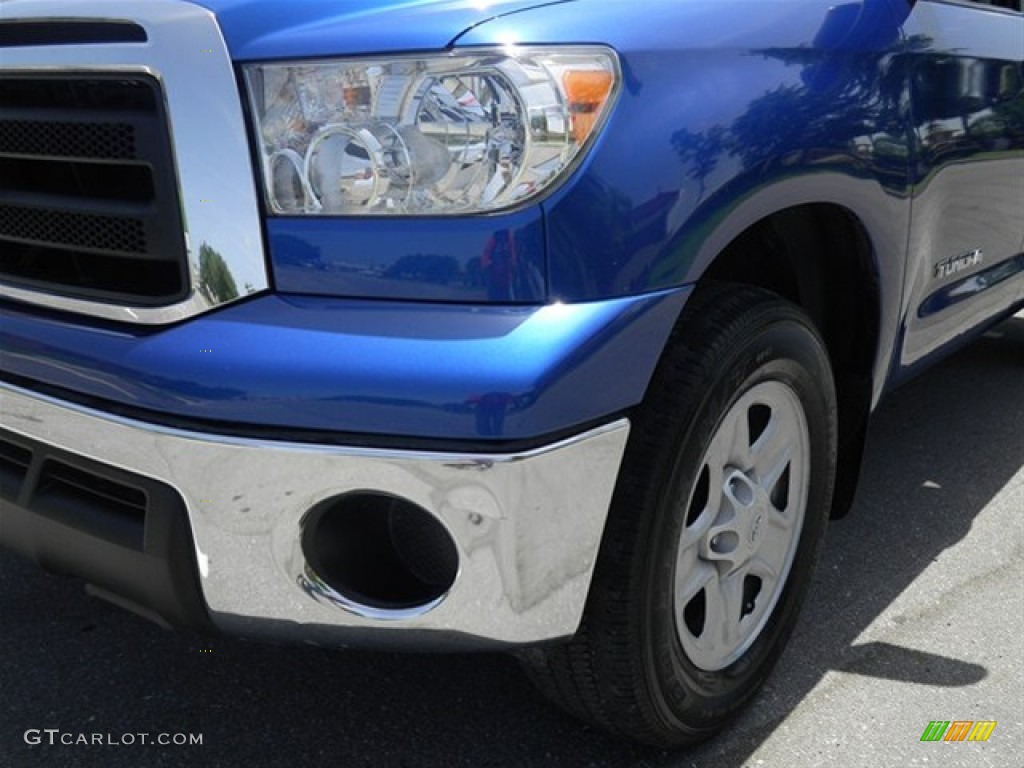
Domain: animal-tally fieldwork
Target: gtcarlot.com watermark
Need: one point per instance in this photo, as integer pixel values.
(54, 737)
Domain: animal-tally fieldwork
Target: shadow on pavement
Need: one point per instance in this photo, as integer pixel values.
(940, 449)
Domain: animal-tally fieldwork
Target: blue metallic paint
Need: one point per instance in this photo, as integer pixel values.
(258, 30)
(725, 119)
(478, 259)
(717, 108)
(398, 369)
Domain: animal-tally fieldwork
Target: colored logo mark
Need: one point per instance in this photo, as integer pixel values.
(958, 730)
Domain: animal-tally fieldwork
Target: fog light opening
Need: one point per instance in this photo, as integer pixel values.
(380, 551)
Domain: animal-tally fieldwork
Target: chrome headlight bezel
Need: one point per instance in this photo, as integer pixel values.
(464, 132)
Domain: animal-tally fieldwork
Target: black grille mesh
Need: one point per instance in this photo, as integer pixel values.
(89, 203)
(111, 141)
(60, 228)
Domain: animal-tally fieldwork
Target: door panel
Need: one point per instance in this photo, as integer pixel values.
(967, 100)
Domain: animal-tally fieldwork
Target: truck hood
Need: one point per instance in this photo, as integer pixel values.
(273, 29)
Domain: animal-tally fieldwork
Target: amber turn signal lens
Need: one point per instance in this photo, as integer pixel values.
(587, 91)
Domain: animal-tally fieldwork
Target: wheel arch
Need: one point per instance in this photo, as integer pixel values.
(821, 257)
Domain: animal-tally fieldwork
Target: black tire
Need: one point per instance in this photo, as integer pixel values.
(626, 669)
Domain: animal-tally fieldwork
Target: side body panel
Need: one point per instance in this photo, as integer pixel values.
(965, 264)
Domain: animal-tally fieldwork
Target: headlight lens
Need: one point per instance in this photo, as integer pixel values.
(445, 134)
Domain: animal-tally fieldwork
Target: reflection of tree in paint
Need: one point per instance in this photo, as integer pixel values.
(499, 263)
(1008, 117)
(215, 280)
(843, 99)
(490, 412)
(425, 268)
(848, 94)
(701, 151)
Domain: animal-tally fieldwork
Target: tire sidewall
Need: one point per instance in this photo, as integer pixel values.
(783, 349)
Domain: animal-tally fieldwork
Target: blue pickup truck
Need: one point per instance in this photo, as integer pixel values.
(547, 326)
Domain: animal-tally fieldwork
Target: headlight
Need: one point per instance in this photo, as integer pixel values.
(443, 134)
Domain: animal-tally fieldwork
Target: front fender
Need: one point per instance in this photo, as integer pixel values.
(729, 112)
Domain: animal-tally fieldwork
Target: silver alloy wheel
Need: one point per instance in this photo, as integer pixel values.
(743, 523)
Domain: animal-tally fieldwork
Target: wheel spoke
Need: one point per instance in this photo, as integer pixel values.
(691, 534)
(738, 430)
(715, 480)
(773, 452)
(774, 547)
(692, 580)
(724, 603)
(765, 570)
(779, 520)
(719, 455)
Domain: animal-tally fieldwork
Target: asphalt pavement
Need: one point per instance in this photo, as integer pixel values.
(916, 614)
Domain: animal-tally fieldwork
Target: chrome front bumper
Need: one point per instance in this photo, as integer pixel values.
(527, 526)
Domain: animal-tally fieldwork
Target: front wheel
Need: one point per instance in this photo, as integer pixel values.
(717, 520)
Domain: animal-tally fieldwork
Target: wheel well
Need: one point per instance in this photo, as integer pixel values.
(819, 257)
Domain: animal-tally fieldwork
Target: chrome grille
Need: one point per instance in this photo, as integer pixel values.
(125, 116)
